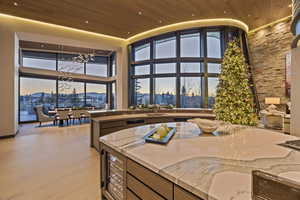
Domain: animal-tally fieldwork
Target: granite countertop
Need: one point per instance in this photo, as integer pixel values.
(211, 167)
(150, 115)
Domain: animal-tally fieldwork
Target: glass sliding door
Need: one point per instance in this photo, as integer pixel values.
(34, 92)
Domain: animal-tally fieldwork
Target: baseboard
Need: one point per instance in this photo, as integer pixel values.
(9, 136)
(6, 136)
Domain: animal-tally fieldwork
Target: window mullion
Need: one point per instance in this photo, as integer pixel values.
(152, 53)
(178, 46)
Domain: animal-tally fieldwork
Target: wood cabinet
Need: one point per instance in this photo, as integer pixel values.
(154, 181)
(101, 126)
(271, 187)
(124, 179)
(180, 194)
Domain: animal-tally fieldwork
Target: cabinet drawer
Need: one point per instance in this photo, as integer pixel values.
(105, 131)
(159, 120)
(112, 124)
(95, 135)
(131, 196)
(271, 187)
(180, 194)
(141, 190)
(154, 181)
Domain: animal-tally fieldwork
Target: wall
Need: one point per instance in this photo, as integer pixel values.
(8, 82)
(14, 29)
(268, 48)
(295, 93)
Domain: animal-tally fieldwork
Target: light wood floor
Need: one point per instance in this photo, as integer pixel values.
(49, 163)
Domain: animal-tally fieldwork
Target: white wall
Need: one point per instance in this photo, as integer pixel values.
(295, 93)
(14, 29)
(8, 82)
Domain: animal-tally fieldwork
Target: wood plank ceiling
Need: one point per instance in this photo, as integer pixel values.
(125, 18)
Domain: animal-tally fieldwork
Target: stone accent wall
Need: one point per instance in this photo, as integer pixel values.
(268, 48)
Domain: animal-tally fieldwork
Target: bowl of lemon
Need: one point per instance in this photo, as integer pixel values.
(160, 135)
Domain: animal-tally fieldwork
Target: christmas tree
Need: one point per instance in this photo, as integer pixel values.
(235, 100)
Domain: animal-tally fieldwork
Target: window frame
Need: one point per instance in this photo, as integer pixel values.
(108, 83)
(202, 59)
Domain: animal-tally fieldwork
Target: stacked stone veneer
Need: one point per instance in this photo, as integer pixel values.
(268, 48)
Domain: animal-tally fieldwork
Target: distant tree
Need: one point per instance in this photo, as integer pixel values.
(42, 98)
(75, 101)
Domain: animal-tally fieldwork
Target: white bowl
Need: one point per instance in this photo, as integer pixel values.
(206, 126)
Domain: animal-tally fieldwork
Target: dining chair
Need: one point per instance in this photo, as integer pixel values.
(62, 116)
(42, 117)
(76, 115)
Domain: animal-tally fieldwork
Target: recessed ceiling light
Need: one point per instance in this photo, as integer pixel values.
(128, 32)
(160, 21)
(193, 14)
(86, 21)
(16, 4)
(290, 5)
(140, 13)
(225, 12)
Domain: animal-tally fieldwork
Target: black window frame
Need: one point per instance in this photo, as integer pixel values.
(109, 100)
(203, 59)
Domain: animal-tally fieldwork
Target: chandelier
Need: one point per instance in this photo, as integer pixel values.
(70, 66)
(84, 58)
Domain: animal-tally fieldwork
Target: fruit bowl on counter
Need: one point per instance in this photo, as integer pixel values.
(160, 135)
(206, 126)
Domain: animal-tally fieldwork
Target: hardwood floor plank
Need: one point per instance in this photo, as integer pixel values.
(49, 163)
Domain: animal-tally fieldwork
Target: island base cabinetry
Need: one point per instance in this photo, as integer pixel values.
(125, 179)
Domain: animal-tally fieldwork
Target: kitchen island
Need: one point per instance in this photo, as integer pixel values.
(192, 165)
(106, 122)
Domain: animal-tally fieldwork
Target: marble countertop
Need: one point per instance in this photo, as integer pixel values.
(150, 115)
(211, 167)
(137, 110)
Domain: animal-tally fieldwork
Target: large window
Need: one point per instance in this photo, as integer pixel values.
(190, 92)
(212, 91)
(165, 48)
(142, 52)
(214, 44)
(34, 92)
(52, 91)
(179, 68)
(39, 60)
(190, 45)
(142, 91)
(98, 67)
(64, 62)
(113, 95)
(96, 95)
(38, 91)
(70, 94)
(165, 68)
(165, 91)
